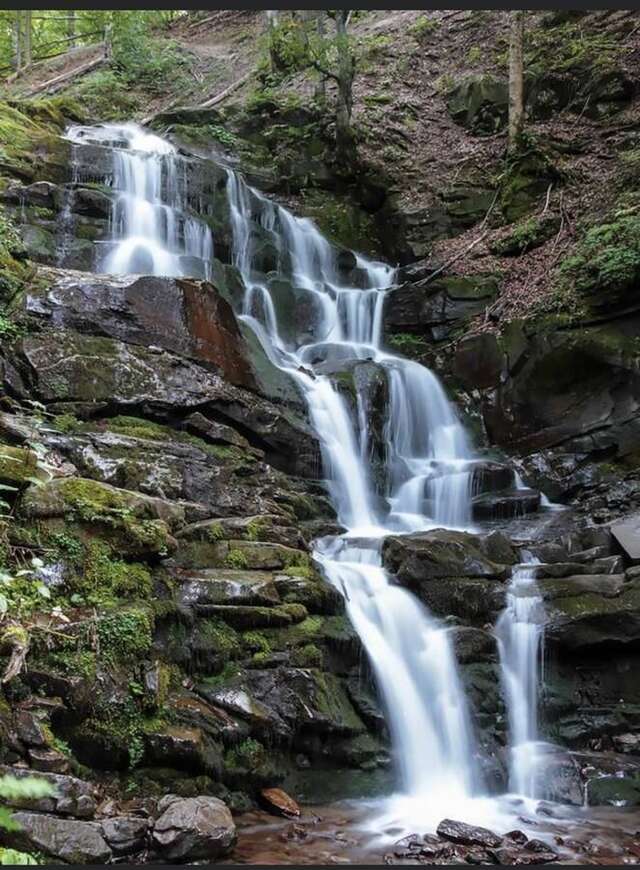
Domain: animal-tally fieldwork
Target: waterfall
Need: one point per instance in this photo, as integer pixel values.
(152, 231)
(429, 455)
(519, 634)
(429, 460)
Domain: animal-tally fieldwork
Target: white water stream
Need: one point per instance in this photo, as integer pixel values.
(428, 457)
(519, 633)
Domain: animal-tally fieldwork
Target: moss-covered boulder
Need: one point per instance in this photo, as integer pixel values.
(140, 526)
(479, 102)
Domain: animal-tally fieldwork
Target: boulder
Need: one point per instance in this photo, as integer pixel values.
(71, 841)
(478, 361)
(467, 835)
(479, 102)
(180, 315)
(126, 835)
(426, 556)
(73, 796)
(627, 534)
(193, 829)
(202, 589)
(593, 612)
(279, 803)
(95, 372)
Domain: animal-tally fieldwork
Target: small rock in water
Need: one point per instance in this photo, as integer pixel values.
(517, 837)
(468, 835)
(279, 802)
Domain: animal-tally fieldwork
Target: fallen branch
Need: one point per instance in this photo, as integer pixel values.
(208, 104)
(453, 260)
(55, 83)
(224, 94)
(17, 639)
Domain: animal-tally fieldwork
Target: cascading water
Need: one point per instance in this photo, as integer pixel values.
(519, 633)
(428, 468)
(152, 231)
(429, 484)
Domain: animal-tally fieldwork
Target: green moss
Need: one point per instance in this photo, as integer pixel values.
(95, 504)
(256, 529)
(215, 532)
(247, 756)
(605, 264)
(219, 637)
(306, 571)
(342, 221)
(526, 235)
(409, 345)
(67, 423)
(308, 656)
(236, 559)
(423, 28)
(104, 576)
(256, 642)
(125, 637)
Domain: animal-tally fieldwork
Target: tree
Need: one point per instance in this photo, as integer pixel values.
(335, 60)
(516, 78)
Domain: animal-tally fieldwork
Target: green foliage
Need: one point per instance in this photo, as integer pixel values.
(423, 27)
(526, 235)
(13, 271)
(248, 755)
(569, 46)
(409, 345)
(105, 94)
(14, 789)
(605, 265)
(308, 656)
(105, 578)
(125, 636)
(236, 559)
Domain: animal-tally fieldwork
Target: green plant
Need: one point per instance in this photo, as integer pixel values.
(423, 27)
(236, 559)
(125, 636)
(13, 790)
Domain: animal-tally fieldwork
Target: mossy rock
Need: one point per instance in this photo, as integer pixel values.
(19, 466)
(527, 178)
(137, 525)
(526, 236)
(480, 103)
(614, 791)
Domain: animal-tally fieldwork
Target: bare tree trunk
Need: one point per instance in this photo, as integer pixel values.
(17, 40)
(272, 23)
(346, 73)
(27, 37)
(71, 27)
(321, 84)
(516, 78)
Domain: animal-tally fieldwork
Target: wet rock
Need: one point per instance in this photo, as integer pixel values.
(179, 315)
(478, 361)
(49, 760)
(29, 729)
(627, 743)
(192, 829)
(593, 611)
(93, 371)
(73, 842)
(201, 589)
(184, 749)
(426, 556)
(467, 835)
(472, 644)
(126, 835)
(627, 534)
(74, 797)
(614, 791)
(279, 803)
(506, 504)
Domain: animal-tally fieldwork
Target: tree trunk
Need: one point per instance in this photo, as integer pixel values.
(17, 41)
(27, 37)
(516, 78)
(321, 84)
(346, 73)
(71, 27)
